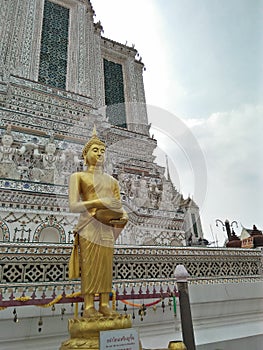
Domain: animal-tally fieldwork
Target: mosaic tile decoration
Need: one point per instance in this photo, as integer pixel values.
(34, 263)
(114, 93)
(54, 45)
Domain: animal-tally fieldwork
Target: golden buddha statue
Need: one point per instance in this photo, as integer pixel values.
(96, 196)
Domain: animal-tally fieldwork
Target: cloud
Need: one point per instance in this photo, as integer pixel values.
(228, 147)
(232, 140)
(232, 143)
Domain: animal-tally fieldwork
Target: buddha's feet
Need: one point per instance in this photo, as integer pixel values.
(91, 312)
(107, 311)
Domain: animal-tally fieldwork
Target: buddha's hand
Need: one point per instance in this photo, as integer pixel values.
(110, 203)
(119, 223)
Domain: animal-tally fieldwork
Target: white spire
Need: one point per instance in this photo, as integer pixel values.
(167, 169)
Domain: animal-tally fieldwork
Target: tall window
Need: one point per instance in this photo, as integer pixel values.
(194, 225)
(114, 93)
(54, 45)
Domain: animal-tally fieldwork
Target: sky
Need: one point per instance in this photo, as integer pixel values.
(204, 91)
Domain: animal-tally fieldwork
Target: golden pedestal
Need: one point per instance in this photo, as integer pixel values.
(177, 345)
(85, 332)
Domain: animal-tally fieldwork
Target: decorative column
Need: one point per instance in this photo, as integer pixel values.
(181, 276)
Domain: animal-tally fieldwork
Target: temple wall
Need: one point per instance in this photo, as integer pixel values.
(224, 317)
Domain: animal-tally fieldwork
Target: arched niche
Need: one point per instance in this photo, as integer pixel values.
(50, 231)
(49, 234)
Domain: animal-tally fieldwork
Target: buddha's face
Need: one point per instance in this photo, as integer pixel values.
(7, 140)
(95, 155)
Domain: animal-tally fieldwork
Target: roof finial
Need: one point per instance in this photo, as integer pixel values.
(94, 132)
(167, 169)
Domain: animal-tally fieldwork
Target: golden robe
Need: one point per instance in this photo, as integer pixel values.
(96, 240)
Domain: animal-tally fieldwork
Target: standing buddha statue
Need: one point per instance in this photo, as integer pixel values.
(96, 196)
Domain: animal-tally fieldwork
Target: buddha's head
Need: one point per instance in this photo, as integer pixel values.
(94, 150)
